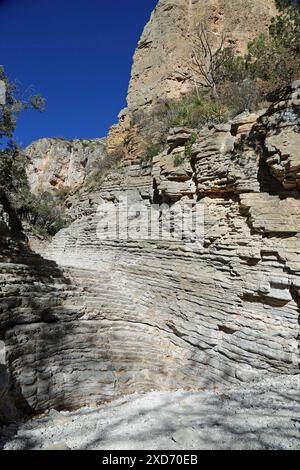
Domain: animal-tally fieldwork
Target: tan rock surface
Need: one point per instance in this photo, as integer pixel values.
(166, 41)
(62, 164)
(161, 66)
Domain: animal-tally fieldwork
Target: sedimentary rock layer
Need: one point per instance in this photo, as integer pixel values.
(168, 313)
(107, 316)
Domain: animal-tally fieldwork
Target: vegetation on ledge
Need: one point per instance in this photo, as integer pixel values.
(226, 84)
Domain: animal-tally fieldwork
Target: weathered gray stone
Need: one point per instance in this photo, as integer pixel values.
(57, 446)
(93, 319)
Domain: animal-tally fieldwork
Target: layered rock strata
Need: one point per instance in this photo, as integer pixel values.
(128, 315)
(100, 315)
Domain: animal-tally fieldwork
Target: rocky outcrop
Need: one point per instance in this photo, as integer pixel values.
(133, 314)
(162, 65)
(63, 164)
(104, 313)
(30, 292)
(157, 71)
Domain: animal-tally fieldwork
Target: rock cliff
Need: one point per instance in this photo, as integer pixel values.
(96, 316)
(110, 316)
(161, 66)
(161, 57)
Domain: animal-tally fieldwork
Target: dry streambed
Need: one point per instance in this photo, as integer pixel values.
(257, 416)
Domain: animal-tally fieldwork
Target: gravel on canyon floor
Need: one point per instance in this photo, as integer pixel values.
(265, 415)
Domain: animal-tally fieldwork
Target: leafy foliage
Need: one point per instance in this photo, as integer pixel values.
(15, 102)
(273, 60)
(189, 144)
(282, 4)
(44, 214)
(228, 84)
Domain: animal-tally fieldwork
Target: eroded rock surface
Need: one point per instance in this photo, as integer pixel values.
(95, 317)
(162, 61)
(108, 316)
(62, 164)
(158, 71)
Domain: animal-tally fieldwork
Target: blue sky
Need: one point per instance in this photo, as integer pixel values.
(76, 53)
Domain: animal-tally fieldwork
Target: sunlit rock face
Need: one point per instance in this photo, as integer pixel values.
(93, 318)
(162, 61)
(165, 46)
(62, 164)
(220, 313)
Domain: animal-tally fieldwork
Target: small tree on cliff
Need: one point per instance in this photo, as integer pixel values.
(44, 214)
(206, 60)
(274, 59)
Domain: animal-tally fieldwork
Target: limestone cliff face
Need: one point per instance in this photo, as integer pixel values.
(94, 318)
(166, 42)
(161, 66)
(160, 71)
(62, 164)
(223, 312)
(105, 317)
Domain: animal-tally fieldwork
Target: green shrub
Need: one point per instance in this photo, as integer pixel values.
(15, 102)
(272, 62)
(230, 67)
(189, 144)
(13, 178)
(151, 151)
(44, 214)
(283, 4)
(195, 110)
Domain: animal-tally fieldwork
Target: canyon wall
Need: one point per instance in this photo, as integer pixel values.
(107, 316)
(162, 62)
(162, 55)
(95, 316)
